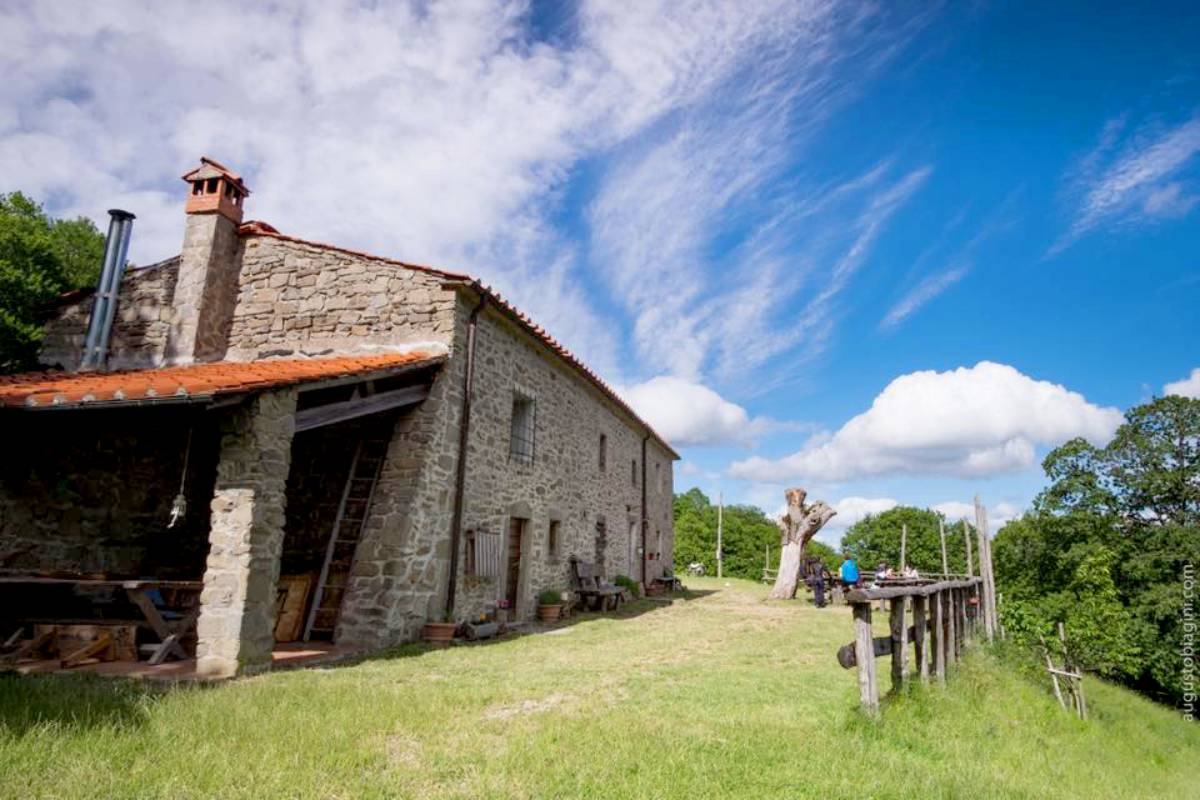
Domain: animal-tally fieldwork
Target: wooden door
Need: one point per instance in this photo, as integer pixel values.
(516, 528)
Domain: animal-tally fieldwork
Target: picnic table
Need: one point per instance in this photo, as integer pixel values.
(139, 591)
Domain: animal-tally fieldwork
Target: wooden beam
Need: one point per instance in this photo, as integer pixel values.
(320, 416)
(923, 590)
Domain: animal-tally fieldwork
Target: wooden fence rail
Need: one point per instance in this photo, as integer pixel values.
(945, 614)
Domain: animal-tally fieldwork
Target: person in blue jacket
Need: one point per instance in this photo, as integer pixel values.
(849, 572)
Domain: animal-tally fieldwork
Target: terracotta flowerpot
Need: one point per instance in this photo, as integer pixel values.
(439, 632)
(550, 613)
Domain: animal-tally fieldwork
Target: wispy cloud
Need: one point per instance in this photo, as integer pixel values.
(921, 294)
(1129, 179)
(668, 223)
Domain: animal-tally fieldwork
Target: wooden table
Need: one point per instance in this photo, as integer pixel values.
(138, 590)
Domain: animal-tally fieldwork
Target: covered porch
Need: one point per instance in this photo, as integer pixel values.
(195, 521)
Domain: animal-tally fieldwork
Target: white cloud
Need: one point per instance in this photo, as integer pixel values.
(972, 421)
(440, 132)
(687, 413)
(1126, 184)
(1187, 387)
(853, 509)
(921, 294)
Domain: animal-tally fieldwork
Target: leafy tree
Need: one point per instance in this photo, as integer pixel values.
(1149, 474)
(747, 533)
(40, 258)
(876, 538)
(1105, 547)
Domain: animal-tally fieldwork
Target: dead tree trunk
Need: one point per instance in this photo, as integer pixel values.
(799, 524)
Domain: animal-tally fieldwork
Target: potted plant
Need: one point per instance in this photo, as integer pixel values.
(440, 632)
(550, 605)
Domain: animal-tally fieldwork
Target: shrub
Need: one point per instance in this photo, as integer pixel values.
(626, 582)
(550, 597)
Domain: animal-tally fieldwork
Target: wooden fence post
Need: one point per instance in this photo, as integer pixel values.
(899, 643)
(864, 653)
(942, 534)
(962, 616)
(951, 634)
(985, 569)
(919, 638)
(939, 633)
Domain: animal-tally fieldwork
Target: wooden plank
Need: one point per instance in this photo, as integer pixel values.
(320, 416)
(899, 643)
(868, 693)
(101, 645)
(40, 639)
(155, 619)
(919, 638)
(1058, 695)
(11, 641)
(923, 589)
(847, 654)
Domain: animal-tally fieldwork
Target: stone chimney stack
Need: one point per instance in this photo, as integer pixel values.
(206, 290)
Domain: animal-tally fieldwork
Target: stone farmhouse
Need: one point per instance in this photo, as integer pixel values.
(283, 423)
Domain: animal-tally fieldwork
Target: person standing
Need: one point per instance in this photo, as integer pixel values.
(818, 582)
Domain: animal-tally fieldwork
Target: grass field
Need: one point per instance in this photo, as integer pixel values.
(716, 695)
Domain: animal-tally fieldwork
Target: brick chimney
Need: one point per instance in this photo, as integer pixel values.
(206, 290)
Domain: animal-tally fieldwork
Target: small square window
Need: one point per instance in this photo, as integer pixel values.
(521, 441)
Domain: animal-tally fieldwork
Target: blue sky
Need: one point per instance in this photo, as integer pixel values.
(892, 255)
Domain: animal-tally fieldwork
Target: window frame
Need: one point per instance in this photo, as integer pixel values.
(515, 430)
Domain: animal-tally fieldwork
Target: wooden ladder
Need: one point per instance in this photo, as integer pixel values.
(353, 508)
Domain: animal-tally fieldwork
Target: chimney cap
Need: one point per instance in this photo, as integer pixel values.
(211, 168)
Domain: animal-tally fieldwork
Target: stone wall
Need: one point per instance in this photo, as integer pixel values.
(295, 298)
(401, 568)
(565, 482)
(399, 578)
(92, 491)
(140, 328)
(236, 629)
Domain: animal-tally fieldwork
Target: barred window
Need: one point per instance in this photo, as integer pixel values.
(521, 441)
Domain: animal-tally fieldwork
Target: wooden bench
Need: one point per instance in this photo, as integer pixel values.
(587, 582)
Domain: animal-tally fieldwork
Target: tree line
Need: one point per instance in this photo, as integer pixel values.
(1103, 549)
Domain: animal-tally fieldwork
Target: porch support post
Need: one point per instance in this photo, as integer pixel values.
(237, 606)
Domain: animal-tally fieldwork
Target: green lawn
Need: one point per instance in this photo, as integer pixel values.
(718, 695)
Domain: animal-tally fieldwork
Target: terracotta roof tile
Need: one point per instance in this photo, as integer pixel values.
(195, 381)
